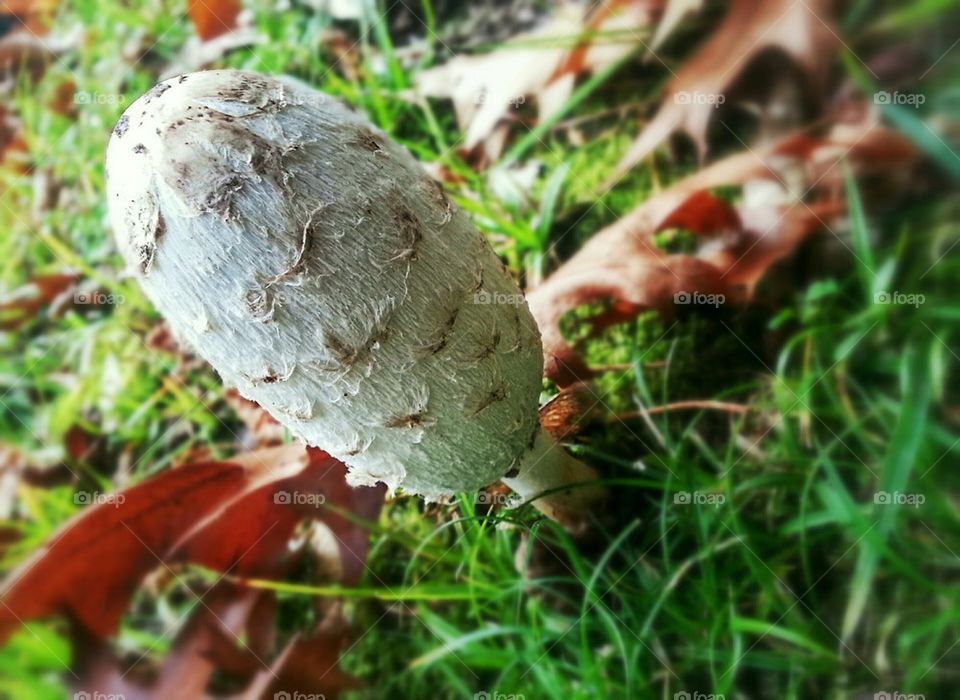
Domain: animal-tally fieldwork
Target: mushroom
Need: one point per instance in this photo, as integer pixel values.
(314, 264)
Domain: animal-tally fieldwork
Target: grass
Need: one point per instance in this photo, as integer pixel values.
(783, 578)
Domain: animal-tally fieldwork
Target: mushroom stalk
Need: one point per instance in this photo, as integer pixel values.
(317, 267)
(557, 484)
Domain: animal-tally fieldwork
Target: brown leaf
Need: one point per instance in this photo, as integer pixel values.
(800, 29)
(561, 416)
(211, 18)
(673, 14)
(64, 100)
(28, 300)
(487, 88)
(310, 665)
(221, 514)
(248, 536)
(32, 15)
(228, 643)
(263, 428)
(622, 266)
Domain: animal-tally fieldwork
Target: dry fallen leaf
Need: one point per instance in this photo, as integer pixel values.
(486, 88)
(264, 429)
(231, 516)
(229, 642)
(802, 30)
(673, 14)
(790, 190)
(27, 301)
(32, 15)
(562, 415)
(211, 18)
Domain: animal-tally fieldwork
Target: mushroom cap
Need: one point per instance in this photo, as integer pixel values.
(318, 268)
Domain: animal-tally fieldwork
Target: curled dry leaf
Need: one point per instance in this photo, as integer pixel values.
(562, 415)
(802, 30)
(26, 302)
(229, 642)
(263, 429)
(542, 64)
(673, 14)
(621, 264)
(211, 18)
(235, 517)
(32, 15)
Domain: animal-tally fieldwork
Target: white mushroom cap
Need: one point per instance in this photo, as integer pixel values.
(313, 263)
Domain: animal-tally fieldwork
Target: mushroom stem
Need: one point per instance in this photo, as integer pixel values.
(558, 484)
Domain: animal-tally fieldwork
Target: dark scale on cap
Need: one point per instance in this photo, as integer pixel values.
(157, 91)
(122, 125)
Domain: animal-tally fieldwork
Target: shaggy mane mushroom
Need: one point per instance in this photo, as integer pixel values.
(313, 263)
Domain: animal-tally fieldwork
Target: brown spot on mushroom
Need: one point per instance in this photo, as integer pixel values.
(367, 140)
(270, 376)
(478, 280)
(411, 420)
(156, 91)
(139, 148)
(145, 255)
(299, 263)
(254, 90)
(343, 353)
(442, 336)
(122, 125)
(266, 158)
(146, 252)
(261, 304)
(408, 228)
(498, 393)
(218, 199)
(518, 330)
(487, 347)
(439, 195)
(347, 355)
(533, 436)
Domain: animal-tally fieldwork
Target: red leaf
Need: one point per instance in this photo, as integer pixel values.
(621, 265)
(704, 214)
(800, 29)
(211, 18)
(221, 514)
(40, 292)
